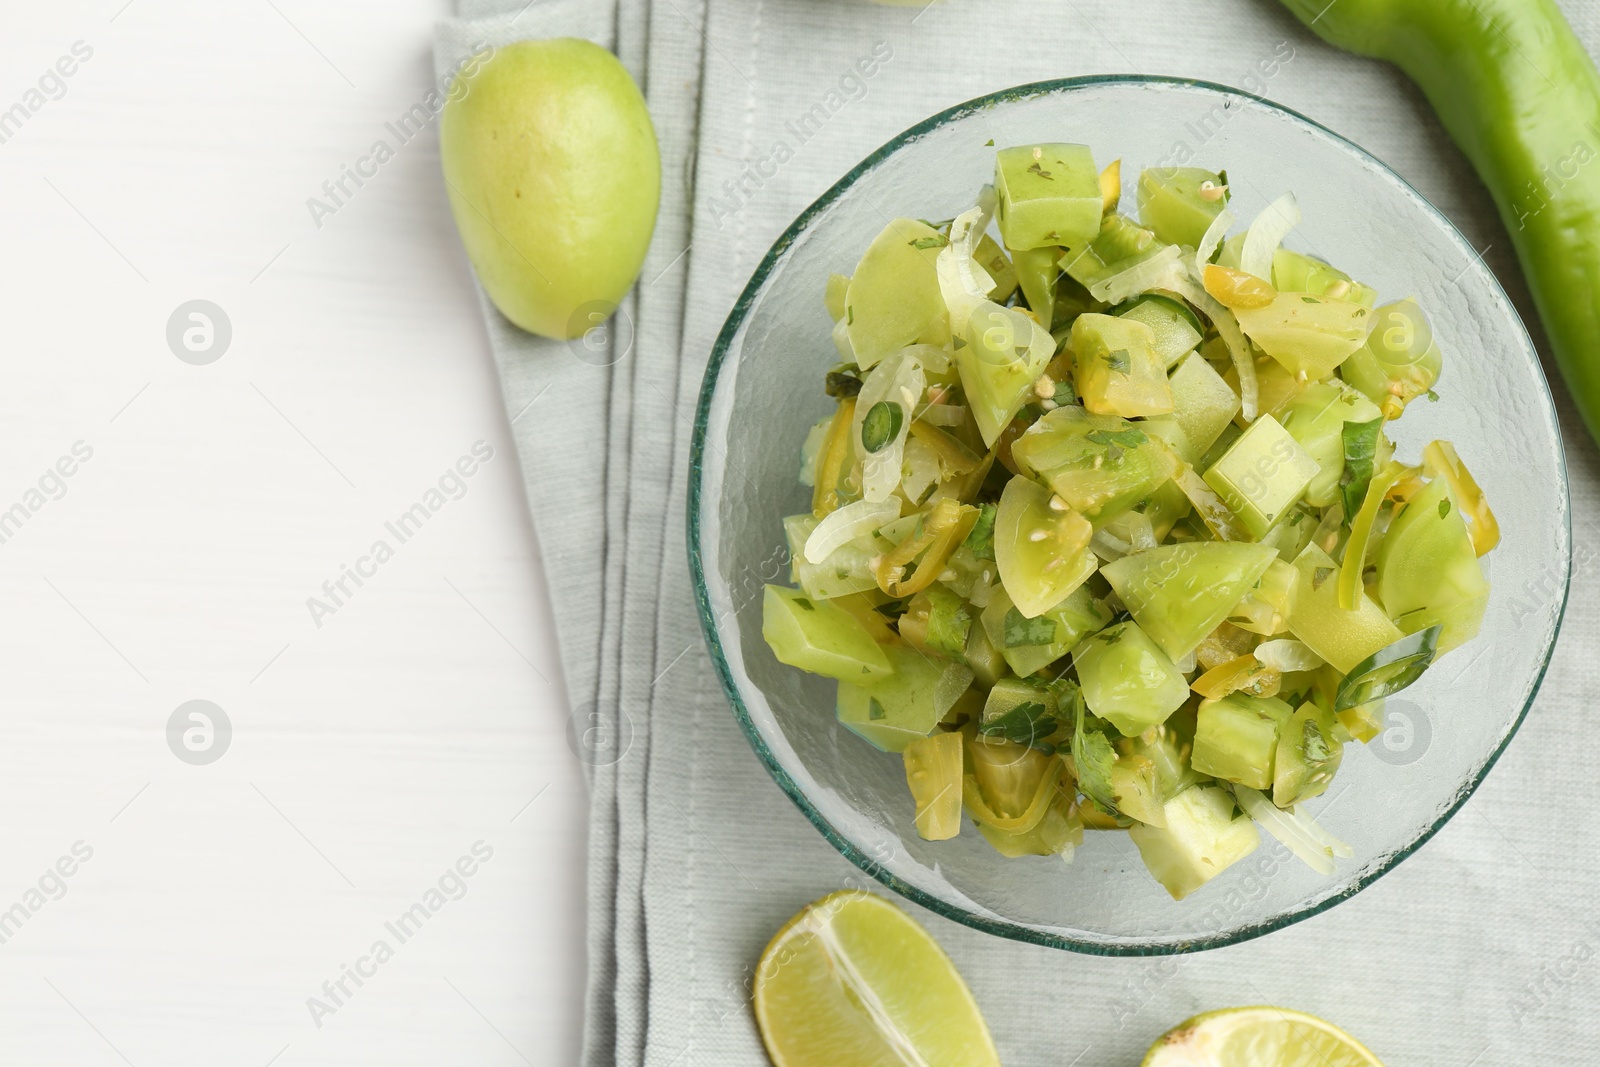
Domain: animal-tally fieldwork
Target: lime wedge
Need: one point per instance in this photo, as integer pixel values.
(1258, 1037)
(853, 981)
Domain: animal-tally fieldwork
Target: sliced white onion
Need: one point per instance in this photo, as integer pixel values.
(1266, 233)
(1299, 832)
(849, 522)
(1139, 278)
(1212, 240)
(1108, 546)
(944, 414)
(1284, 655)
(841, 341)
(897, 380)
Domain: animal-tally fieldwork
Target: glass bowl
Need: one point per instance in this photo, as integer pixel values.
(763, 390)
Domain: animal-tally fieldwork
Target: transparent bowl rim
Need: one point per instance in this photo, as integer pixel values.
(719, 353)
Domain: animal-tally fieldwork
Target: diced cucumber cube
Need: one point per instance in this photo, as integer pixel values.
(1049, 194)
(1171, 204)
(820, 637)
(1127, 680)
(1264, 473)
(1236, 738)
(987, 664)
(1174, 326)
(1118, 371)
(1203, 837)
(1203, 404)
(897, 710)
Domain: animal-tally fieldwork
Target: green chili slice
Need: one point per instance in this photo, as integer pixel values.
(1388, 670)
(881, 425)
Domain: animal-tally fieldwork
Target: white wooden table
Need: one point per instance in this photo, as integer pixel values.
(374, 745)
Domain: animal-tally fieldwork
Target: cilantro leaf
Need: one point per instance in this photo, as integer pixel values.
(1316, 746)
(1026, 724)
(1118, 361)
(875, 710)
(1132, 437)
(981, 540)
(843, 381)
(1020, 630)
(1360, 457)
(1444, 507)
(938, 240)
(948, 622)
(1092, 756)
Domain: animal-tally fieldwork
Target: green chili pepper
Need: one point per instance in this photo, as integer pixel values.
(1521, 97)
(1388, 670)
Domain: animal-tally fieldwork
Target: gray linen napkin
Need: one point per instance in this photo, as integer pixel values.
(1481, 949)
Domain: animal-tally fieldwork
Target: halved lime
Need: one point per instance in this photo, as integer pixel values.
(853, 981)
(1258, 1037)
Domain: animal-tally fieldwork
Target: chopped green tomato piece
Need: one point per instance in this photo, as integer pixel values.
(1119, 245)
(1099, 465)
(1316, 420)
(1203, 403)
(1161, 510)
(1180, 593)
(820, 637)
(1007, 695)
(1388, 670)
(1036, 275)
(1175, 328)
(893, 300)
(1399, 361)
(1428, 570)
(1293, 272)
(1203, 837)
(1236, 738)
(1127, 680)
(848, 569)
(1118, 371)
(1180, 203)
(992, 259)
(1309, 335)
(934, 773)
(1265, 609)
(1308, 756)
(1168, 746)
(1262, 475)
(834, 295)
(1030, 645)
(1049, 194)
(1040, 551)
(1058, 831)
(987, 664)
(1137, 791)
(896, 711)
(1010, 784)
(949, 621)
(1343, 638)
(999, 355)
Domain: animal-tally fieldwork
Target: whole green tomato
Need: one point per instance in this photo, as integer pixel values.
(554, 177)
